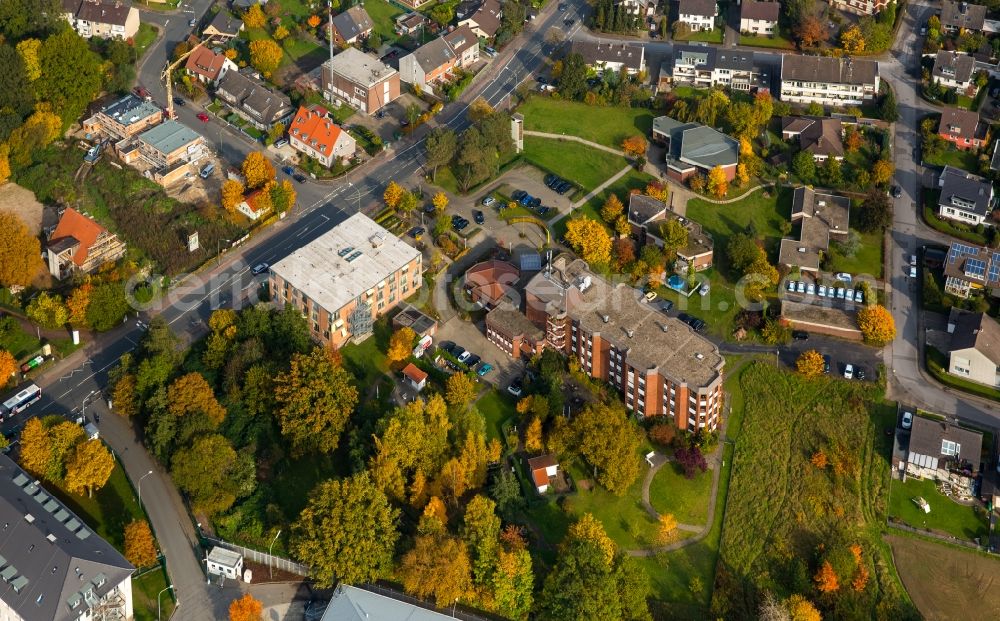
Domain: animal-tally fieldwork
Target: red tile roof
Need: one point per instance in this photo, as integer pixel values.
(314, 127)
(414, 374)
(204, 61)
(251, 200)
(81, 228)
(540, 477)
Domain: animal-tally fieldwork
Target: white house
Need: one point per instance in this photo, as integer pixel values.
(415, 377)
(251, 207)
(314, 133)
(964, 196)
(759, 18)
(224, 562)
(698, 14)
(543, 468)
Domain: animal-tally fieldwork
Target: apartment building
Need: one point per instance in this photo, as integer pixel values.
(661, 366)
(828, 80)
(860, 7)
(53, 566)
(614, 56)
(361, 81)
(513, 334)
(693, 148)
(346, 279)
(171, 143)
(759, 18)
(80, 244)
(124, 118)
(434, 61)
(314, 133)
(970, 269)
(106, 19)
(705, 67)
(698, 14)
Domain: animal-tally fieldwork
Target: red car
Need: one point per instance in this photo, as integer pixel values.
(203, 117)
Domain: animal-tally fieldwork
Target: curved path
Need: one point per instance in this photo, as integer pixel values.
(645, 496)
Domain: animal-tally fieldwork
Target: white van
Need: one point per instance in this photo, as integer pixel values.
(207, 170)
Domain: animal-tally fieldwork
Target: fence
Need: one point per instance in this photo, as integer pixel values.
(262, 558)
(965, 543)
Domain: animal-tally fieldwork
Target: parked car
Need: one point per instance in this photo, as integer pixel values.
(811, 289)
(563, 187)
(822, 291)
(704, 289)
(843, 277)
(666, 305)
(280, 142)
(907, 420)
(650, 296)
(790, 285)
(483, 369)
(849, 372)
(288, 170)
(179, 101)
(488, 201)
(800, 287)
(535, 203)
(826, 363)
(897, 191)
(478, 216)
(299, 177)
(192, 22)
(569, 22)
(458, 351)
(859, 373)
(551, 179)
(518, 195)
(541, 80)
(696, 324)
(203, 117)
(259, 269)
(800, 335)
(543, 211)
(472, 361)
(417, 232)
(526, 200)
(840, 293)
(515, 388)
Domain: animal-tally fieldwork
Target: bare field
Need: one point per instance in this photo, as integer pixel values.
(945, 582)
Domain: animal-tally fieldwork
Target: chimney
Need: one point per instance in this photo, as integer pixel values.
(605, 318)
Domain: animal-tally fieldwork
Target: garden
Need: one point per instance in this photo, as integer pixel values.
(604, 125)
(965, 522)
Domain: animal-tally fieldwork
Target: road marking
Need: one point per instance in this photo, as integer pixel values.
(112, 363)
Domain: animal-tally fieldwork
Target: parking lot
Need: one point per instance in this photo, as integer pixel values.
(471, 337)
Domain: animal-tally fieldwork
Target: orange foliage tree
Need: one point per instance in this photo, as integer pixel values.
(635, 145)
(246, 608)
(140, 549)
(876, 324)
(232, 194)
(826, 578)
(810, 363)
(313, 21)
(819, 459)
(8, 365)
(657, 190)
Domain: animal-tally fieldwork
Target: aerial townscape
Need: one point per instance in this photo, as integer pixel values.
(555, 310)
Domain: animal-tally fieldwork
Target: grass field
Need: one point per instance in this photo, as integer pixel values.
(705, 36)
(496, 409)
(144, 38)
(383, 16)
(632, 180)
(686, 499)
(868, 260)
(782, 507)
(146, 590)
(946, 516)
(585, 166)
(603, 125)
(947, 582)
(15, 340)
(966, 160)
(776, 42)
(109, 510)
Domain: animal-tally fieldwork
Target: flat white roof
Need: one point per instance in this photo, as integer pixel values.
(343, 263)
(224, 557)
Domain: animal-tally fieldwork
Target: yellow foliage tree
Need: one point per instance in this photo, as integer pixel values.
(666, 529)
(587, 528)
(742, 175)
(246, 608)
(48, 310)
(718, 185)
(852, 40)
(635, 146)
(4, 163)
(8, 366)
(440, 202)
(460, 390)
(810, 363)
(876, 324)
(191, 394)
(826, 579)
(533, 436)
(231, 54)
(612, 208)
(280, 33)
(254, 17)
(36, 447)
(37, 131)
(589, 239)
(657, 190)
(265, 56)
(802, 609)
(401, 345)
(19, 252)
(125, 398)
(232, 194)
(882, 172)
(77, 303)
(140, 549)
(28, 50)
(622, 227)
(89, 468)
(393, 194)
(257, 170)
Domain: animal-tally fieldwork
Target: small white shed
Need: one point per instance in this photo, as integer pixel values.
(225, 562)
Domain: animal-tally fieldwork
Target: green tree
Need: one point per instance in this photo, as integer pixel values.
(513, 580)
(887, 109)
(314, 397)
(211, 474)
(481, 532)
(347, 532)
(19, 18)
(414, 439)
(675, 238)
(107, 306)
(742, 251)
(573, 80)
(440, 147)
(804, 166)
(16, 101)
(875, 213)
(71, 75)
(506, 492)
(609, 442)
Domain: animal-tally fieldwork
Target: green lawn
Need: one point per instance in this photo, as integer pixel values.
(686, 499)
(966, 160)
(295, 47)
(776, 41)
(632, 180)
(946, 516)
(603, 125)
(705, 36)
(383, 15)
(366, 360)
(144, 38)
(949, 227)
(868, 259)
(109, 510)
(15, 340)
(496, 409)
(937, 364)
(583, 165)
(146, 590)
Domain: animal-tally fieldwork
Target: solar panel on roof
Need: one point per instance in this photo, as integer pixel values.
(531, 262)
(21, 479)
(994, 267)
(975, 267)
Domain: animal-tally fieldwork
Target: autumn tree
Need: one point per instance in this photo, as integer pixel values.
(211, 473)
(314, 21)
(612, 208)
(280, 33)
(412, 447)
(852, 40)
(513, 578)
(19, 252)
(257, 170)
(8, 366)
(140, 549)
(232, 194)
(246, 608)
(882, 172)
(691, 460)
(63, 436)
(810, 31)
(609, 442)
(802, 609)
(48, 310)
(36, 448)
(191, 395)
(810, 363)
(254, 17)
(360, 547)
(438, 565)
(125, 397)
(852, 139)
(481, 532)
(819, 459)
(4, 163)
(77, 303)
(826, 579)
(876, 324)
(657, 190)
(718, 185)
(460, 390)
(28, 50)
(761, 276)
(393, 194)
(666, 529)
(314, 398)
(533, 436)
(635, 146)
(265, 56)
(590, 240)
(89, 468)
(401, 345)
(440, 202)
(408, 203)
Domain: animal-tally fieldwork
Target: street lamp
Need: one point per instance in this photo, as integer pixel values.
(169, 587)
(140, 485)
(218, 247)
(270, 566)
(83, 408)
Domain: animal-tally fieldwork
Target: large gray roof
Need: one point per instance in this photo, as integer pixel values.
(358, 67)
(630, 56)
(710, 58)
(828, 69)
(977, 331)
(353, 604)
(353, 22)
(696, 144)
(706, 8)
(267, 105)
(765, 11)
(953, 66)
(962, 15)
(964, 190)
(433, 54)
(926, 436)
(130, 109)
(169, 136)
(48, 558)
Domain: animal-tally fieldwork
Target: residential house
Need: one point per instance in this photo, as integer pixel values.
(963, 128)
(223, 27)
(224, 562)
(253, 207)
(860, 7)
(698, 14)
(207, 66)
(55, 567)
(361, 81)
(415, 377)
(954, 70)
(413, 4)
(350, 26)
(974, 352)
(693, 148)
(640, 8)
(970, 269)
(491, 283)
(346, 279)
(243, 5)
(315, 133)
(254, 101)
(410, 23)
(170, 148)
(485, 21)
(433, 62)
(705, 67)
(828, 80)
(647, 217)
(823, 218)
(106, 19)
(957, 16)
(939, 448)
(964, 196)
(759, 18)
(820, 136)
(351, 603)
(662, 367)
(124, 118)
(543, 469)
(80, 244)
(465, 8)
(512, 333)
(617, 57)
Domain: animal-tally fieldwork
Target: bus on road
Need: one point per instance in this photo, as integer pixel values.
(20, 402)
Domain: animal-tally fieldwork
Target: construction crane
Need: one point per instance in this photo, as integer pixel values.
(165, 76)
